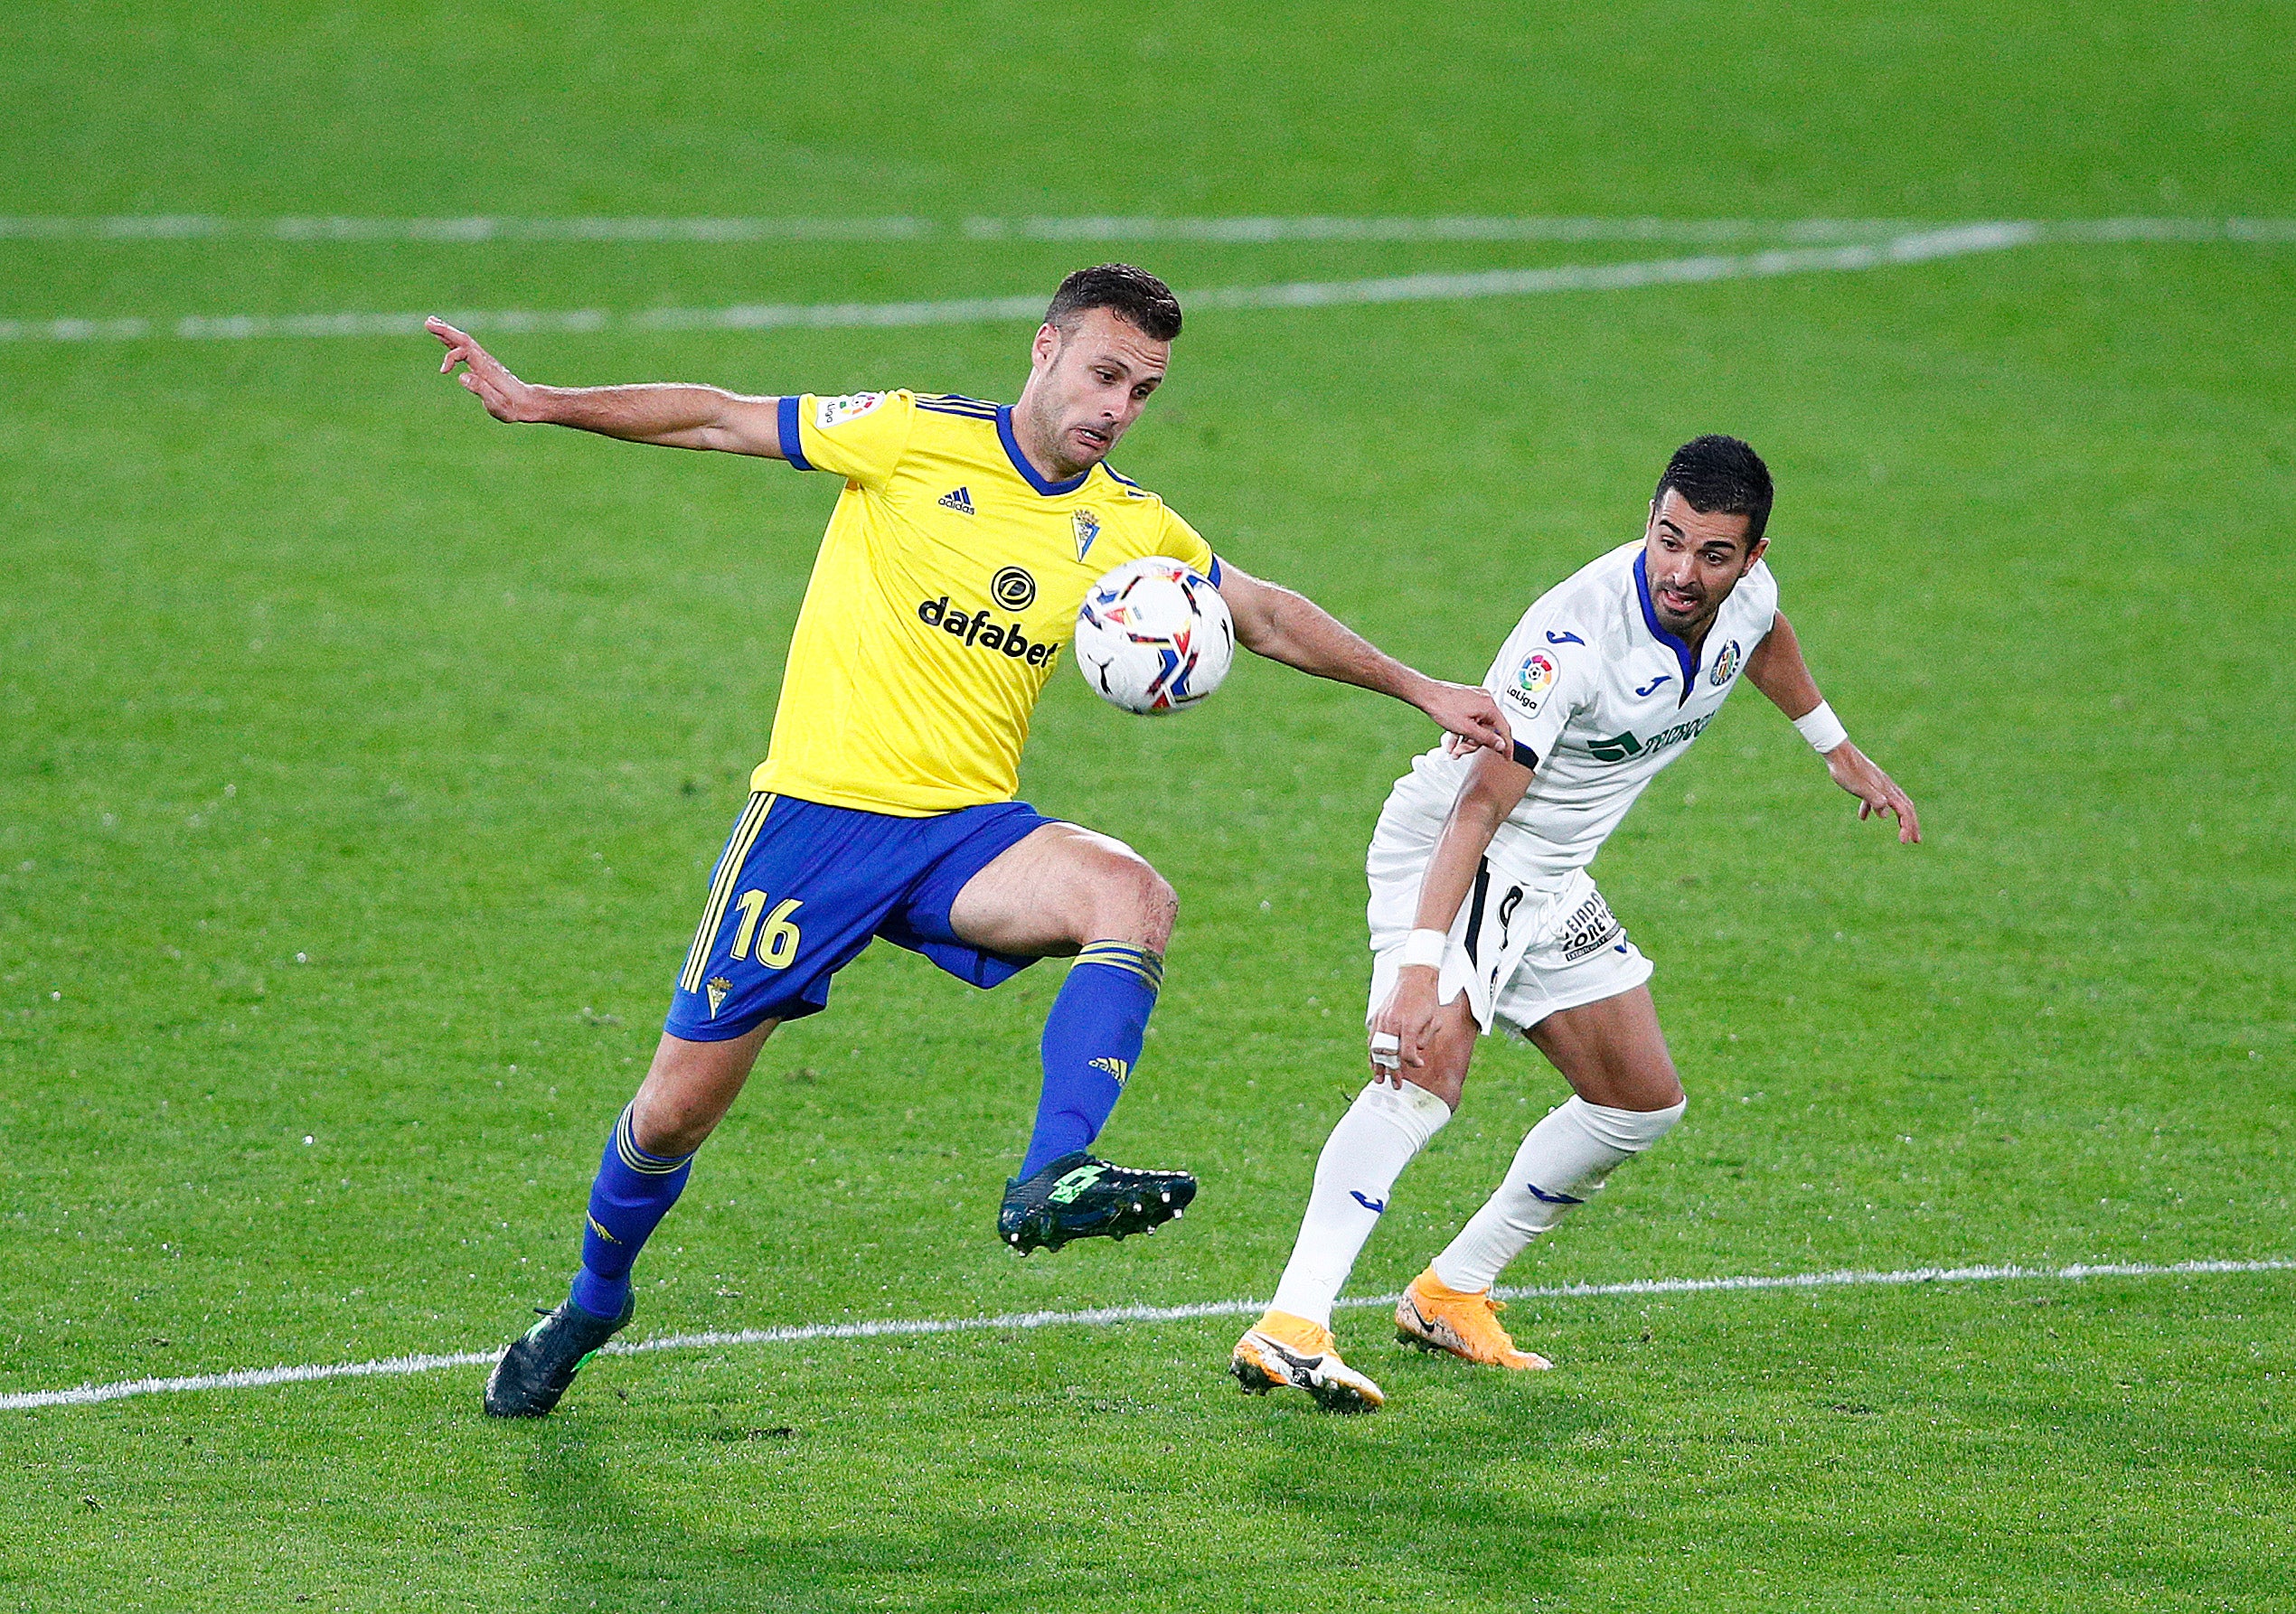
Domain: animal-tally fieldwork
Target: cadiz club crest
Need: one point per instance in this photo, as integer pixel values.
(1087, 527)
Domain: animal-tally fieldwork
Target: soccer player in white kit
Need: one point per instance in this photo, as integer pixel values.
(1482, 915)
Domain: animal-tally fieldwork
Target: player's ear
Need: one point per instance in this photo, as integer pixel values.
(1047, 343)
(1753, 555)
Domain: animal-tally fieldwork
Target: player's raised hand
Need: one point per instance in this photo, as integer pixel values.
(1877, 792)
(506, 397)
(1469, 714)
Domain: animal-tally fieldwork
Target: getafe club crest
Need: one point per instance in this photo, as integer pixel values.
(1725, 664)
(1087, 527)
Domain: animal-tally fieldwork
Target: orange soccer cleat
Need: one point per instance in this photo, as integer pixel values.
(1437, 1319)
(1281, 1349)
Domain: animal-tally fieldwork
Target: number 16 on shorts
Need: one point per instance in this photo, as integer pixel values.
(776, 937)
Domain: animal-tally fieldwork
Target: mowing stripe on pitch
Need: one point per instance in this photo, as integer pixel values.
(1917, 247)
(256, 1378)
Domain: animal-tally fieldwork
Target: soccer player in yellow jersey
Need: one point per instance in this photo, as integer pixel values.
(945, 587)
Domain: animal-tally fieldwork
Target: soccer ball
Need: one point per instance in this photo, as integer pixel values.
(1153, 636)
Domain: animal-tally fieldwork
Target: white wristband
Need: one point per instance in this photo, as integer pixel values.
(1821, 729)
(1424, 948)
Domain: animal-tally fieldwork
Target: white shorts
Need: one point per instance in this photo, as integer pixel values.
(1519, 953)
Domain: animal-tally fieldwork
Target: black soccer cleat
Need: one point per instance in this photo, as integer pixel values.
(539, 1365)
(1079, 1198)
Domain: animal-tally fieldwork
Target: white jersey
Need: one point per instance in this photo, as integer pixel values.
(1600, 698)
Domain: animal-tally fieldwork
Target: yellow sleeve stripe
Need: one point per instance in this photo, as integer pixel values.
(721, 884)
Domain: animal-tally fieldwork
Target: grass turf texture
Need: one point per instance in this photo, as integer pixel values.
(302, 656)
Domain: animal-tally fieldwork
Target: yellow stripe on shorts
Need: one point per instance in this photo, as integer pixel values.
(713, 914)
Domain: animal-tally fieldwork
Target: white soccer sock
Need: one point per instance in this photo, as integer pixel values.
(1365, 1153)
(1565, 1157)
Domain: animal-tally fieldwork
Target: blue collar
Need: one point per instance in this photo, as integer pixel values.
(1020, 461)
(1684, 656)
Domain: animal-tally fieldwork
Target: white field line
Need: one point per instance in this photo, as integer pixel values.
(481, 229)
(255, 1378)
(1915, 246)
(1919, 248)
(1244, 232)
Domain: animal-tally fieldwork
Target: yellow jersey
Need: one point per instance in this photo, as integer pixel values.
(947, 584)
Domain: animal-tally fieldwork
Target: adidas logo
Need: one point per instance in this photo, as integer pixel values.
(957, 499)
(1119, 1069)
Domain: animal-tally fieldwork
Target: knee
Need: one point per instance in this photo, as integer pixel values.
(661, 1125)
(1447, 1084)
(1139, 906)
(1162, 905)
(1630, 1132)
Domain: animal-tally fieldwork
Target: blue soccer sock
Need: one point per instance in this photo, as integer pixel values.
(1091, 1041)
(633, 1191)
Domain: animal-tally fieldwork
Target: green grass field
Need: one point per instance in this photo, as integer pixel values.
(361, 762)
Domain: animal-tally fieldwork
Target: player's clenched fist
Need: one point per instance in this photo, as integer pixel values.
(506, 397)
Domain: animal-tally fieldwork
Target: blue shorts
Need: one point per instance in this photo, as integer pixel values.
(801, 888)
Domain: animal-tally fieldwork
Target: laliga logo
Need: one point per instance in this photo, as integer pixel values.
(1533, 679)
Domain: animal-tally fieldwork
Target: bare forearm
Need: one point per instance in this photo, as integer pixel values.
(1483, 804)
(1451, 871)
(673, 415)
(669, 413)
(1295, 630)
(1777, 669)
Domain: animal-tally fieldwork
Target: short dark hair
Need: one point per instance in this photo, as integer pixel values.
(1133, 295)
(1719, 474)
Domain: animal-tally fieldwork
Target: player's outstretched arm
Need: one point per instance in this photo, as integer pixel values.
(1777, 669)
(1494, 784)
(675, 416)
(1292, 629)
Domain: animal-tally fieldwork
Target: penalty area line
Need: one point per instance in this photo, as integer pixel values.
(256, 1378)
